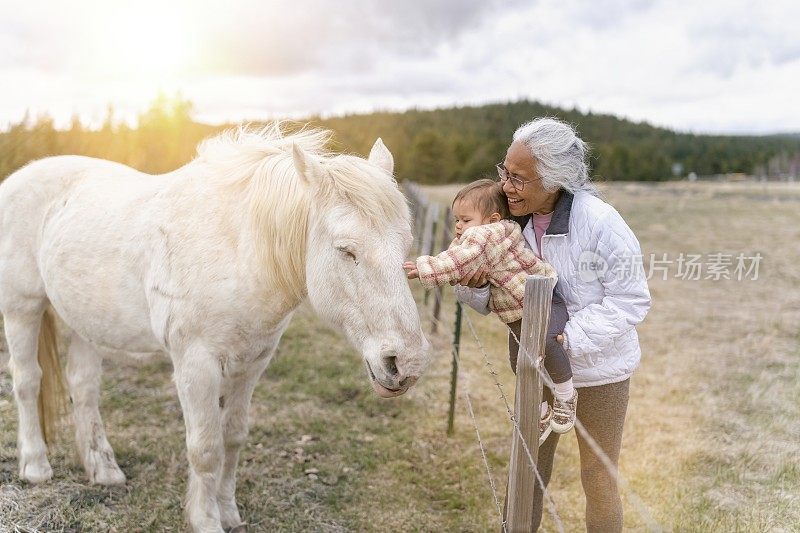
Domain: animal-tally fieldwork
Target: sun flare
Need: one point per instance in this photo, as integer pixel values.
(147, 43)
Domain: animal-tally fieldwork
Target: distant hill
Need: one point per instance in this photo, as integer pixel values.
(460, 143)
(431, 146)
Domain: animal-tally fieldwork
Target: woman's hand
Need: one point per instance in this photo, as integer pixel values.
(474, 280)
(560, 338)
(411, 269)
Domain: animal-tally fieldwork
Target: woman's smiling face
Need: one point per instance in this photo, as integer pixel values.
(533, 198)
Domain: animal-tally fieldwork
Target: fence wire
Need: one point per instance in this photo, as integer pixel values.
(512, 417)
(641, 508)
(546, 495)
(608, 464)
(483, 456)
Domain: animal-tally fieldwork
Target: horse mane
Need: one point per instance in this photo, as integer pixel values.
(279, 204)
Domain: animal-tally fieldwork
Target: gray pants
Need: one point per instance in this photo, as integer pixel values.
(601, 410)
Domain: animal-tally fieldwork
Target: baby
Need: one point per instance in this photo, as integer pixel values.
(484, 237)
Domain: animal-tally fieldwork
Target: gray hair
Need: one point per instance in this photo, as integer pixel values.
(559, 153)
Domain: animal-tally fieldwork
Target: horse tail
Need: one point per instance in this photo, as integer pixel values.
(53, 389)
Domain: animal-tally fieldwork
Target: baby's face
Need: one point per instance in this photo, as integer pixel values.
(467, 216)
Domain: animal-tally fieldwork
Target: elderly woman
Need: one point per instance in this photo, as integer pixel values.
(598, 260)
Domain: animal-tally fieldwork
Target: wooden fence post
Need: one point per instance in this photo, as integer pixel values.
(419, 223)
(428, 235)
(528, 397)
(413, 203)
(454, 370)
(447, 236)
(431, 214)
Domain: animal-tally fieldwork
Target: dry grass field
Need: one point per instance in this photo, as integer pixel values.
(712, 438)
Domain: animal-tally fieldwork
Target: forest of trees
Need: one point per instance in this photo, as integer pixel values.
(437, 146)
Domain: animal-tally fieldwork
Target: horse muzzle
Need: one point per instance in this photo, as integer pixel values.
(392, 386)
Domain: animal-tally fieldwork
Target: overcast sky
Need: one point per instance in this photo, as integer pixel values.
(729, 66)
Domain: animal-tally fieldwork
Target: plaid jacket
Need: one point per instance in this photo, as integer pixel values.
(499, 246)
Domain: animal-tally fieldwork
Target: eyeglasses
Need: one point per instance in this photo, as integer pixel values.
(516, 182)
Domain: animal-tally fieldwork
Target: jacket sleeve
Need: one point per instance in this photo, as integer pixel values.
(454, 263)
(626, 299)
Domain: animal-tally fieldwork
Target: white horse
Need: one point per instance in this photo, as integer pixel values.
(206, 263)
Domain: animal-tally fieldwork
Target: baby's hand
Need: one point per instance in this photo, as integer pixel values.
(474, 280)
(411, 269)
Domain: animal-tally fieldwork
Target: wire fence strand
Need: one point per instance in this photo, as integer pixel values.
(485, 460)
(605, 460)
(608, 464)
(547, 496)
(513, 418)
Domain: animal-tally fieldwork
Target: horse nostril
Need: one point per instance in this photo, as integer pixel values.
(390, 364)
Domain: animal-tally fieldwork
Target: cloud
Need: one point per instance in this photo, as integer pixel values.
(605, 15)
(741, 36)
(268, 39)
(248, 37)
(716, 65)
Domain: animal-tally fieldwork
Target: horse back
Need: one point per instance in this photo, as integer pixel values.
(28, 194)
(131, 261)
(55, 223)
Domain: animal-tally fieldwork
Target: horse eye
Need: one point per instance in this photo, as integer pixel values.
(349, 253)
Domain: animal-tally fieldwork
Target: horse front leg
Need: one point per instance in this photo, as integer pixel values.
(198, 378)
(237, 389)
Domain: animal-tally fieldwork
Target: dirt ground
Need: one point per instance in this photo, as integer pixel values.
(711, 443)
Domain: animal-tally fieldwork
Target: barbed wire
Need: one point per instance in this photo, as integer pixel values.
(474, 420)
(485, 460)
(641, 508)
(608, 464)
(605, 460)
(534, 464)
(512, 417)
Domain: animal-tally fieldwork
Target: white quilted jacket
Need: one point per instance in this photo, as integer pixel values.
(602, 281)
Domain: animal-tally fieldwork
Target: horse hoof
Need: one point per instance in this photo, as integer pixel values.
(241, 528)
(109, 475)
(36, 472)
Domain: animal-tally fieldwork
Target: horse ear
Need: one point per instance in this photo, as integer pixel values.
(309, 170)
(381, 156)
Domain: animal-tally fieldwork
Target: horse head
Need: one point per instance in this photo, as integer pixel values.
(359, 233)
